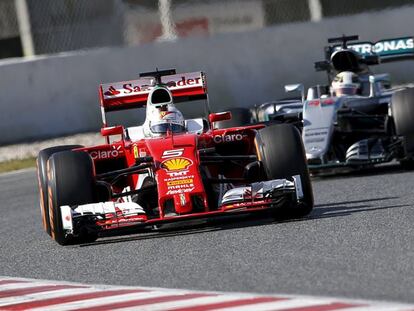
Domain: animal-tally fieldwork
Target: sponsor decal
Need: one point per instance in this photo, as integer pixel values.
(112, 91)
(136, 154)
(363, 48)
(182, 199)
(183, 82)
(133, 87)
(184, 186)
(172, 153)
(129, 88)
(316, 133)
(313, 103)
(126, 89)
(223, 138)
(104, 154)
(163, 114)
(180, 184)
(314, 140)
(179, 177)
(390, 46)
(176, 164)
(178, 191)
(317, 102)
(384, 47)
(179, 174)
(328, 102)
(142, 152)
(186, 181)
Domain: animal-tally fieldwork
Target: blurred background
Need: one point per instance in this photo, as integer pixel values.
(55, 53)
(33, 27)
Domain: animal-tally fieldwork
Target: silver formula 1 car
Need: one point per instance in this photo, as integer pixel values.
(358, 119)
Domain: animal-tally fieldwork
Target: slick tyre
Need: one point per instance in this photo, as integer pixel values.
(41, 162)
(239, 117)
(71, 182)
(280, 149)
(402, 109)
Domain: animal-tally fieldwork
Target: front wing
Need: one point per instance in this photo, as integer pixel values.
(115, 215)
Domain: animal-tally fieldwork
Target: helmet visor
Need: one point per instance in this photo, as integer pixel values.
(162, 128)
(348, 90)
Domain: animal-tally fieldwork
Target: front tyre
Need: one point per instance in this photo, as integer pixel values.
(402, 107)
(71, 181)
(280, 149)
(41, 163)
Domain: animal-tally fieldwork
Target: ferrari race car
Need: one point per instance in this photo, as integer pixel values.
(169, 169)
(358, 119)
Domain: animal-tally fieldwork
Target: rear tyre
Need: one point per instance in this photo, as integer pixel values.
(407, 164)
(281, 151)
(41, 162)
(71, 181)
(239, 117)
(402, 108)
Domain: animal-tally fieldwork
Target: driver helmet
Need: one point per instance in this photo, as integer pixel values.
(167, 119)
(162, 116)
(346, 83)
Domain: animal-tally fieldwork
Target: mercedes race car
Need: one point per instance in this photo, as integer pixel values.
(169, 169)
(358, 119)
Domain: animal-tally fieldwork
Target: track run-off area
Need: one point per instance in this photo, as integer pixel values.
(358, 243)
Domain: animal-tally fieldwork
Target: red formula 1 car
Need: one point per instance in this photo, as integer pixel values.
(169, 169)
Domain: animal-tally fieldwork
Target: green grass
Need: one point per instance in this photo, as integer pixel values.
(13, 165)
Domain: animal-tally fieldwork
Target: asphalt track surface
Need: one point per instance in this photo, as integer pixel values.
(357, 243)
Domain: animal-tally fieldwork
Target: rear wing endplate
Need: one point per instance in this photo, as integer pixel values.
(134, 93)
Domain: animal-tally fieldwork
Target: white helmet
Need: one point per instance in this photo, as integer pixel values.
(345, 83)
(168, 119)
(162, 115)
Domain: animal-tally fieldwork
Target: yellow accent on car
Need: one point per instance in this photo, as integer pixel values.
(176, 164)
(136, 154)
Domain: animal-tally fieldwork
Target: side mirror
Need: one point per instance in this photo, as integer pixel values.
(219, 116)
(296, 87)
(112, 130)
(373, 79)
(385, 77)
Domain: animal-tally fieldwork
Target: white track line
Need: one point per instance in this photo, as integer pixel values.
(102, 301)
(17, 286)
(46, 295)
(171, 305)
(281, 305)
(138, 301)
(382, 307)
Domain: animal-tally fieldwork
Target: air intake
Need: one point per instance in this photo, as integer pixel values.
(161, 96)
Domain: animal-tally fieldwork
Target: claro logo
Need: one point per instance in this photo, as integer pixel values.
(104, 154)
(227, 138)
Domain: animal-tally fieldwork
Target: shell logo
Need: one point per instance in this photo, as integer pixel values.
(176, 164)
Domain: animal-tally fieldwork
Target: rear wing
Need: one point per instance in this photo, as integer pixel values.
(356, 56)
(387, 50)
(134, 93)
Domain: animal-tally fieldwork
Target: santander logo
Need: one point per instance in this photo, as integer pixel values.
(183, 82)
(137, 86)
(112, 91)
